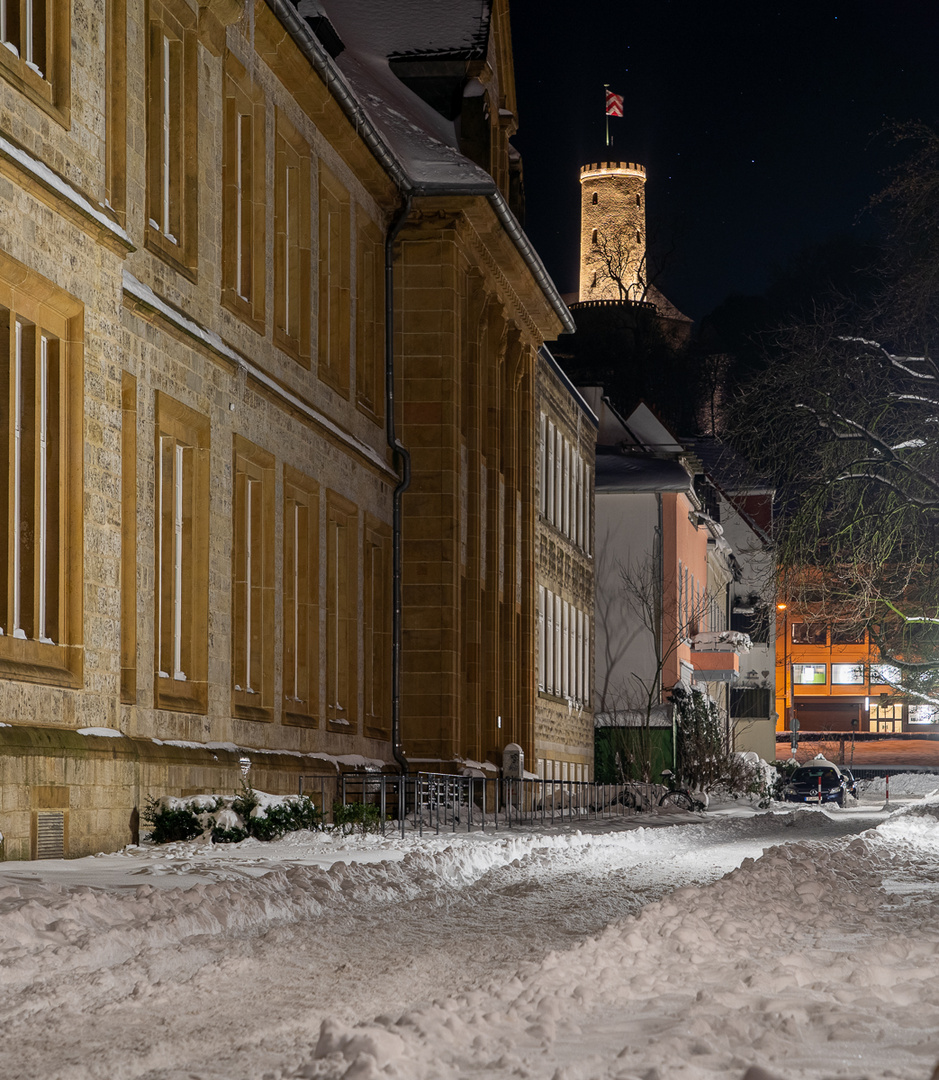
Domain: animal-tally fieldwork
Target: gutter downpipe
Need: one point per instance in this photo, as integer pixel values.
(300, 32)
(659, 573)
(403, 460)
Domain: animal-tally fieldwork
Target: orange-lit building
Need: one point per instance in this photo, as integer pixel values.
(827, 680)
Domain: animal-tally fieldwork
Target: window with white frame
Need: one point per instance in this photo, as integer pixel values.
(34, 416)
(252, 582)
(376, 552)
(292, 241)
(40, 478)
(181, 548)
(549, 473)
(558, 670)
(243, 201)
(35, 46)
(341, 610)
(172, 131)
(579, 653)
(301, 592)
(549, 643)
(543, 467)
(541, 637)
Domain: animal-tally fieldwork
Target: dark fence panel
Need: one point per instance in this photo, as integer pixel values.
(443, 802)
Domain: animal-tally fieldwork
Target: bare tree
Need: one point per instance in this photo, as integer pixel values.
(617, 257)
(621, 257)
(849, 429)
(638, 649)
(845, 420)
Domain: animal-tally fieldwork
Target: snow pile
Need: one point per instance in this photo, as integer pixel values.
(905, 784)
(612, 955)
(695, 978)
(92, 928)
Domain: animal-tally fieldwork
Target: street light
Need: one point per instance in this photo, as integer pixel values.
(787, 721)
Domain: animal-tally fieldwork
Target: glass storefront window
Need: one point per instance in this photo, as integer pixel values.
(808, 674)
(884, 674)
(847, 674)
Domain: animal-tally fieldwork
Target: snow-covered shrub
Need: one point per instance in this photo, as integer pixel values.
(705, 756)
(179, 819)
(347, 817)
(228, 819)
(271, 818)
(755, 777)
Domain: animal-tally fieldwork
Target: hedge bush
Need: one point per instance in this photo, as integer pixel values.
(227, 819)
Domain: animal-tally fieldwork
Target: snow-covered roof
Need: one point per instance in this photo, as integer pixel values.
(372, 33)
(407, 27)
(619, 472)
(351, 44)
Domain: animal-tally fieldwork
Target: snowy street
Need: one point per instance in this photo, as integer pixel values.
(618, 952)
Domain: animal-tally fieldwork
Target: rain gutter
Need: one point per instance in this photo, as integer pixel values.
(322, 64)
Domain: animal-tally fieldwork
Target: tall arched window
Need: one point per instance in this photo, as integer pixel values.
(593, 239)
(595, 199)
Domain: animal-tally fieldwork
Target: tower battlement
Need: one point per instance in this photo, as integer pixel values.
(612, 168)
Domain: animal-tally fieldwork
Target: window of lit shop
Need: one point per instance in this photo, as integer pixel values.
(809, 674)
(847, 674)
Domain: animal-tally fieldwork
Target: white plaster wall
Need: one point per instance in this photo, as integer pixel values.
(625, 538)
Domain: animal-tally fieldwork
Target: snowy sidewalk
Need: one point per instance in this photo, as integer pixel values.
(609, 955)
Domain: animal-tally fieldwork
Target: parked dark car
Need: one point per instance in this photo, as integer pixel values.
(819, 780)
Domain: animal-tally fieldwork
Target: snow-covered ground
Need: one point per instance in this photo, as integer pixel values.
(800, 941)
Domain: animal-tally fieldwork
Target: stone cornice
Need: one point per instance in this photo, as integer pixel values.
(146, 302)
(35, 177)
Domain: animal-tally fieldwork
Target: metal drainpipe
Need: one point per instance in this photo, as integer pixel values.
(660, 613)
(403, 459)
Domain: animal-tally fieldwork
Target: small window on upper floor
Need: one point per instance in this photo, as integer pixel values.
(638, 237)
(36, 54)
(243, 198)
(595, 199)
(638, 200)
(593, 238)
(809, 633)
(172, 126)
(292, 242)
(335, 283)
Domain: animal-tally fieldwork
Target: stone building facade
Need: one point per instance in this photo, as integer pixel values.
(202, 461)
(565, 568)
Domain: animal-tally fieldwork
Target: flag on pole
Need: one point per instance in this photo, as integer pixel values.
(614, 104)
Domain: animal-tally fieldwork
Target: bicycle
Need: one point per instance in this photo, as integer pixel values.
(679, 796)
(642, 795)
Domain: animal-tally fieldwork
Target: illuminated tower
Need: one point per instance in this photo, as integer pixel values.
(612, 231)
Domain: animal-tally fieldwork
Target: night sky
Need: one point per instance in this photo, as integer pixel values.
(760, 126)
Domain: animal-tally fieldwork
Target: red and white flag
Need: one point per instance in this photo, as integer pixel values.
(614, 104)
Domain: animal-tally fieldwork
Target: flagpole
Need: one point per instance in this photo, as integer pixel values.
(606, 86)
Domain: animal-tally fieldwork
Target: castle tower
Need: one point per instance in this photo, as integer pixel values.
(612, 231)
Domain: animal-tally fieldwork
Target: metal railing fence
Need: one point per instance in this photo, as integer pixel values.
(440, 802)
